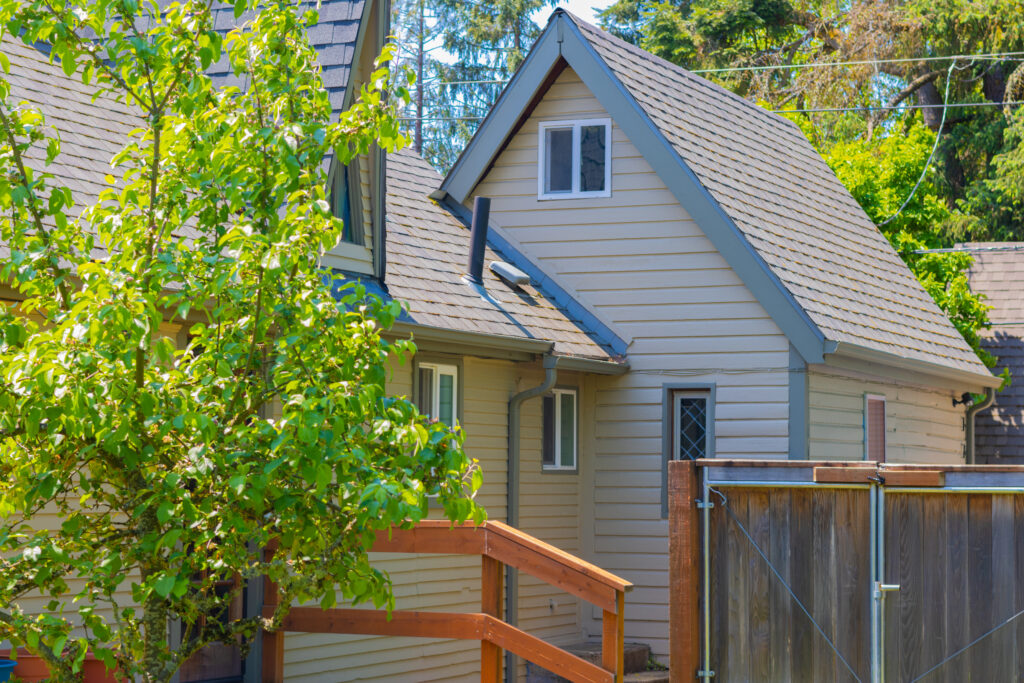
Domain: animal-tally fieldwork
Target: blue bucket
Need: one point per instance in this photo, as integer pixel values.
(6, 667)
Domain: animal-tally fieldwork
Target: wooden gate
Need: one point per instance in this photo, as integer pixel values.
(846, 572)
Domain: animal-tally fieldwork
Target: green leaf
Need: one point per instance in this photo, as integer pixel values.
(164, 585)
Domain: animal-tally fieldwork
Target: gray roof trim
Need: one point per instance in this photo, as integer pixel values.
(798, 406)
(499, 346)
(590, 365)
(561, 296)
(482, 341)
(562, 38)
(922, 371)
(364, 19)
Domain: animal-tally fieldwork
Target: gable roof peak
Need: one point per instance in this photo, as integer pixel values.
(757, 188)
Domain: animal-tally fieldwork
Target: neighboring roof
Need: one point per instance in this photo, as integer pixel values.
(427, 256)
(334, 36)
(764, 196)
(998, 273)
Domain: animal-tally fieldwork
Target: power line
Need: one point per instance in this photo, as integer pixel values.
(814, 65)
(862, 62)
(952, 105)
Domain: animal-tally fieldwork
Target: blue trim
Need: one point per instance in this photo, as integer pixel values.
(562, 38)
(540, 279)
(798, 406)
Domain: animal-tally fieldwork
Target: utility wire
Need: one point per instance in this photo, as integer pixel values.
(863, 62)
(928, 162)
(952, 105)
(816, 65)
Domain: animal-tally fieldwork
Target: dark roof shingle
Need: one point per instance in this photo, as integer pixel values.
(791, 208)
(427, 254)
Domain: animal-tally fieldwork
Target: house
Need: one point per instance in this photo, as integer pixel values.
(676, 274)
(998, 273)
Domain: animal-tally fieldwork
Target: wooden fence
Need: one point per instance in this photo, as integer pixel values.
(498, 545)
(786, 537)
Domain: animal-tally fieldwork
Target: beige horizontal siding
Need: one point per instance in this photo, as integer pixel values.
(646, 268)
(921, 424)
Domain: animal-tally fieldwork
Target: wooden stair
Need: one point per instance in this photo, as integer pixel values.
(638, 659)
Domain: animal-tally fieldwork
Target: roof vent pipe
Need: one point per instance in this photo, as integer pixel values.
(478, 238)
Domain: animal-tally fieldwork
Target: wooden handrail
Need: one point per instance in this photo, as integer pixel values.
(498, 544)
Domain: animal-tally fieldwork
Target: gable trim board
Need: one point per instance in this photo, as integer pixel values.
(563, 39)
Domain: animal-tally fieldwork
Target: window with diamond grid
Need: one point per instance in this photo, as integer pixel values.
(691, 427)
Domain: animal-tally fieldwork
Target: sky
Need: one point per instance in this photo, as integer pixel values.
(581, 8)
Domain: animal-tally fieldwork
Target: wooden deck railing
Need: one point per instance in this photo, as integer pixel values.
(498, 545)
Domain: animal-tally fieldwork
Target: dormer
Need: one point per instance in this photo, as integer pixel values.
(348, 38)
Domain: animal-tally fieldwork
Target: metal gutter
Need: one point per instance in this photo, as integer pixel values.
(519, 348)
(482, 340)
(972, 411)
(593, 366)
(515, 405)
(962, 378)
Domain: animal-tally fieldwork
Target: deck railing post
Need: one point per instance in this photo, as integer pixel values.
(684, 570)
(491, 571)
(273, 643)
(613, 647)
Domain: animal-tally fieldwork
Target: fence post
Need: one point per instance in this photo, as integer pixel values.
(684, 570)
(490, 603)
(273, 643)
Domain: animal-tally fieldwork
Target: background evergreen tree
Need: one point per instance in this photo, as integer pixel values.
(463, 53)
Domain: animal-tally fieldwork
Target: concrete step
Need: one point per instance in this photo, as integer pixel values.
(654, 676)
(637, 656)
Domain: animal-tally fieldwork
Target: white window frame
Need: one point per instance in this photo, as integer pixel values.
(557, 465)
(677, 397)
(867, 427)
(435, 393)
(576, 126)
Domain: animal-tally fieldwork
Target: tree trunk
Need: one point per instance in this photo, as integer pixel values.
(418, 141)
(929, 95)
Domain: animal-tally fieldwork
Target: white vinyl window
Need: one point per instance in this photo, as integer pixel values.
(874, 427)
(560, 425)
(690, 425)
(437, 394)
(574, 159)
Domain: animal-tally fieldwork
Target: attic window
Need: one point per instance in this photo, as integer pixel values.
(343, 190)
(574, 159)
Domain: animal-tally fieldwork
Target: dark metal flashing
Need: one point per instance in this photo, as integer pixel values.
(798, 406)
(562, 39)
(541, 280)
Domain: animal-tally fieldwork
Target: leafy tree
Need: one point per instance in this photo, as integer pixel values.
(171, 468)
(896, 46)
(882, 176)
